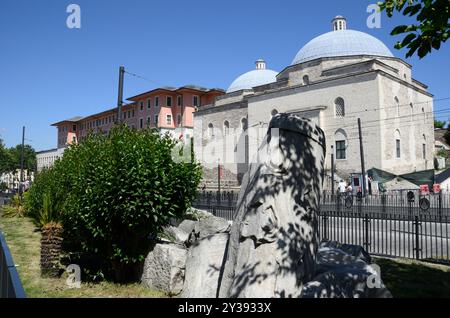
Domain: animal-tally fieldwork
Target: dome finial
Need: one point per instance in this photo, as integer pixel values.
(260, 64)
(339, 23)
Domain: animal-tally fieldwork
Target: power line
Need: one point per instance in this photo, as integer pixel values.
(145, 78)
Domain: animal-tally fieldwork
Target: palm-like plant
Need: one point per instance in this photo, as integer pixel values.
(15, 208)
(51, 240)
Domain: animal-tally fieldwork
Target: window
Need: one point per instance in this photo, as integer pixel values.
(397, 104)
(398, 150)
(169, 101)
(211, 130)
(148, 121)
(129, 114)
(195, 101)
(74, 128)
(74, 139)
(132, 113)
(156, 119)
(179, 120)
(169, 119)
(142, 105)
(226, 128)
(179, 101)
(340, 150)
(340, 138)
(306, 80)
(339, 105)
(244, 124)
(149, 103)
(424, 147)
(157, 101)
(141, 123)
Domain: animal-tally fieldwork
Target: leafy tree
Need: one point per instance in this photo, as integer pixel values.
(432, 27)
(439, 124)
(5, 158)
(29, 158)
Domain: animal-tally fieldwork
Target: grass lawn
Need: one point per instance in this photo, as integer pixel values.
(24, 242)
(407, 278)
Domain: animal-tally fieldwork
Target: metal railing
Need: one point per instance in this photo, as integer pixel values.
(221, 204)
(401, 224)
(10, 284)
(390, 224)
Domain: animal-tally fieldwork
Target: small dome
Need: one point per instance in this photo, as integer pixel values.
(341, 43)
(254, 78)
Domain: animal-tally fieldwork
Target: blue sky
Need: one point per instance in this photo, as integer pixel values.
(50, 72)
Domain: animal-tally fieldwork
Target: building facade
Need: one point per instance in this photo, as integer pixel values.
(46, 159)
(170, 110)
(334, 80)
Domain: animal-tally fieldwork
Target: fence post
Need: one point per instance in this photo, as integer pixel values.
(416, 234)
(366, 242)
(338, 203)
(325, 233)
(440, 206)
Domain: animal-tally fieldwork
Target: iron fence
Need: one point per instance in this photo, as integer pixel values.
(221, 204)
(395, 224)
(10, 284)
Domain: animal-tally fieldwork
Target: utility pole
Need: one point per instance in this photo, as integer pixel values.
(120, 97)
(361, 150)
(21, 162)
(332, 171)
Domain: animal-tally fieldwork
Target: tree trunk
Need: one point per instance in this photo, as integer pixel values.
(51, 243)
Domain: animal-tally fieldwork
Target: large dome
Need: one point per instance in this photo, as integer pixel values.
(341, 43)
(254, 78)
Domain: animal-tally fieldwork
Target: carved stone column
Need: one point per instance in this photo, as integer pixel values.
(274, 239)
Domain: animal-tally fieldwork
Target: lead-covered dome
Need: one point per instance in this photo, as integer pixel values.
(341, 42)
(254, 78)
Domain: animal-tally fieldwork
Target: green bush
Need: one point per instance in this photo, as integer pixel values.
(118, 191)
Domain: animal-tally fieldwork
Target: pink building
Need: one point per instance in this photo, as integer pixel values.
(167, 109)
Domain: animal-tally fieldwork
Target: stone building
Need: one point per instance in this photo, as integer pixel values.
(333, 80)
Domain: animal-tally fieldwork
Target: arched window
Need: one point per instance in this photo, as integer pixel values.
(211, 130)
(306, 80)
(398, 146)
(411, 108)
(424, 147)
(340, 138)
(244, 124)
(397, 104)
(273, 112)
(226, 127)
(339, 105)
